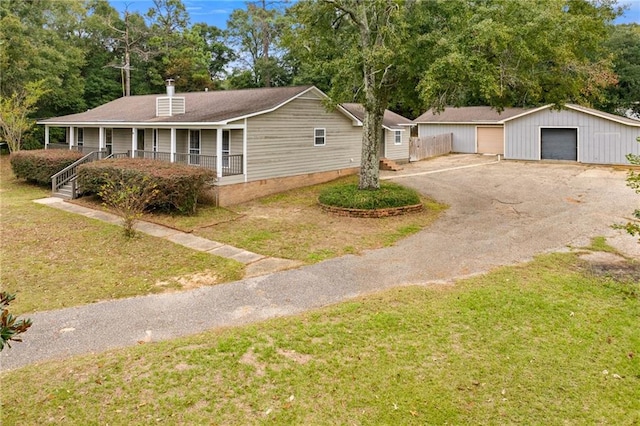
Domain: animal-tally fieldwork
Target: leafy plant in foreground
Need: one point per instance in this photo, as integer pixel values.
(633, 182)
(10, 326)
(129, 195)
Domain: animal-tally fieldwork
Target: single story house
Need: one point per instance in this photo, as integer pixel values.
(574, 133)
(259, 141)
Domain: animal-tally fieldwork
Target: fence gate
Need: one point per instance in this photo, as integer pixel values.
(429, 146)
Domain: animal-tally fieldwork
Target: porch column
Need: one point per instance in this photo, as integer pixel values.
(173, 144)
(244, 150)
(218, 153)
(46, 136)
(71, 136)
(101, 145)
(134, 142)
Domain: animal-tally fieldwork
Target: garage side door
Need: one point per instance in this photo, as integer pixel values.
(559, 144)
(490, 140)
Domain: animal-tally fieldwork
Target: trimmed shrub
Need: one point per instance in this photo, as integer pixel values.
(176, 186)
(39, 165)
(350, 197)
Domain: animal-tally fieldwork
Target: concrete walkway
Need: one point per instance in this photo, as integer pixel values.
(500, 214)
(256, 264)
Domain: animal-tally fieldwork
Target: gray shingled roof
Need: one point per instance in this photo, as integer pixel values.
(391, 120)
(212, 106)
(487, 115)
(613, 117)
(475, 114)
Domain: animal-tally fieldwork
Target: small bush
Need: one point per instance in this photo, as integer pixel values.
(129, 196)
(176, 186)
(39, 165)
(350, 197)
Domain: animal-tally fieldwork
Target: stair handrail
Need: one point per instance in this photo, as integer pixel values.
(68, 173)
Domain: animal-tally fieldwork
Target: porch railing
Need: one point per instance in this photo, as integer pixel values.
(206, 161)
(152, 155)
(70, 172)
(231, 164)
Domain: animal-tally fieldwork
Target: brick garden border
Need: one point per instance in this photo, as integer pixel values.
(372, 213)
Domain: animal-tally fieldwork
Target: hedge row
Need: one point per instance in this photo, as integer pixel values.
(39, 165)
(177, 186)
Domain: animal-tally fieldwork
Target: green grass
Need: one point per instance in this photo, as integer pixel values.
(53, 259)
(547, 342)
(292, 225)
(347, 195)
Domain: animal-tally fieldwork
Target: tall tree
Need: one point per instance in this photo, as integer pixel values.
(255, 32)
(624, 97)
(194, 56)
(15, 111)
(39, 42)
(457, 52)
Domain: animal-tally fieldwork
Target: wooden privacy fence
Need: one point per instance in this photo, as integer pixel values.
(429, 146)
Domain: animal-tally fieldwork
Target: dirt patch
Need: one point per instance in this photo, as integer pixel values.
(613, 266)
(187, 282)
(299, 358)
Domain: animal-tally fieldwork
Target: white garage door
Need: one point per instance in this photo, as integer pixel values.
(490, 140)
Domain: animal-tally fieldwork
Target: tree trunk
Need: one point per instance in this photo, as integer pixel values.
(371, 136)
(127, 73)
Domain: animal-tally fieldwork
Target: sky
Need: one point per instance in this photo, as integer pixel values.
(216, 12)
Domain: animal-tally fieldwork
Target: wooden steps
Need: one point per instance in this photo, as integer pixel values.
(387, 164)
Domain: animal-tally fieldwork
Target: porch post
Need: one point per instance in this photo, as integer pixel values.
(71, 136)
(173, 144)
(244, 150)
(134, 141)
(218, 153)
(46, 136)
(100, 138)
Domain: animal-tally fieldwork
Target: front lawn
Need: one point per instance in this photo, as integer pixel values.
(292, 225)
(53, 259)
(554, 341)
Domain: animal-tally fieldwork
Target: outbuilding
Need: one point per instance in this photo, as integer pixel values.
(574, 133)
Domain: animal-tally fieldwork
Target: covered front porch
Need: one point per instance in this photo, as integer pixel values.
(221, 149)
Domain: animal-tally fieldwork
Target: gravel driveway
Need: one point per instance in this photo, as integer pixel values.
(500, 213)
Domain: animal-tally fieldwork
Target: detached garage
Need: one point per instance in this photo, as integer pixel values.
(574, 133)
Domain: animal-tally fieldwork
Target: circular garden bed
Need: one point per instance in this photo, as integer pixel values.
(390, 200)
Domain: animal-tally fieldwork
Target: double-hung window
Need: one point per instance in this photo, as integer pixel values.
(397, 137)
(319, 137)
(194, 147)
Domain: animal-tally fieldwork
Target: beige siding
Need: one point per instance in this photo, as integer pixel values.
(164, 140)
(235, 142)
(281, 143)
(397, 152)
(91, 138)
(182, 141)
(121, 140)
(208, 142)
